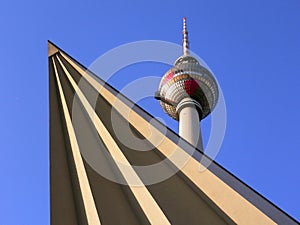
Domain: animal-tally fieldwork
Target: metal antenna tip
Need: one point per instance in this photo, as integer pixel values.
(185, 42)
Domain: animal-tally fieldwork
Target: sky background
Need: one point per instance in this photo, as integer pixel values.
(252, 47)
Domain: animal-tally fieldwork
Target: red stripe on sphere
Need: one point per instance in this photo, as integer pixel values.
(169, 77)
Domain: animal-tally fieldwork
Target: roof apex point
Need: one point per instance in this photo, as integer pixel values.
(52, 49)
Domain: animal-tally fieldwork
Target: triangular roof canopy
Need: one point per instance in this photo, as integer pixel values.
(82, 137)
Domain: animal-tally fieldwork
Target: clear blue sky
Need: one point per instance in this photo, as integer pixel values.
(252, 47)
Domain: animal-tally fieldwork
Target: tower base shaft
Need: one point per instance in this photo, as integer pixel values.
(189, 127)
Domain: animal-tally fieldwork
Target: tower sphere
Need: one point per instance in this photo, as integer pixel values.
(187, 78)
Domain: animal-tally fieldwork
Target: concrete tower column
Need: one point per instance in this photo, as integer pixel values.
(189, 127)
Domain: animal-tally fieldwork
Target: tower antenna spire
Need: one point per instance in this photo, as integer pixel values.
(185, 42)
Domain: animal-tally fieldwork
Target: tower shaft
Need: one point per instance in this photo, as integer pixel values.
(189, 128)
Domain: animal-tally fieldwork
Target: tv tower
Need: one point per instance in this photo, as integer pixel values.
(188, 92)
